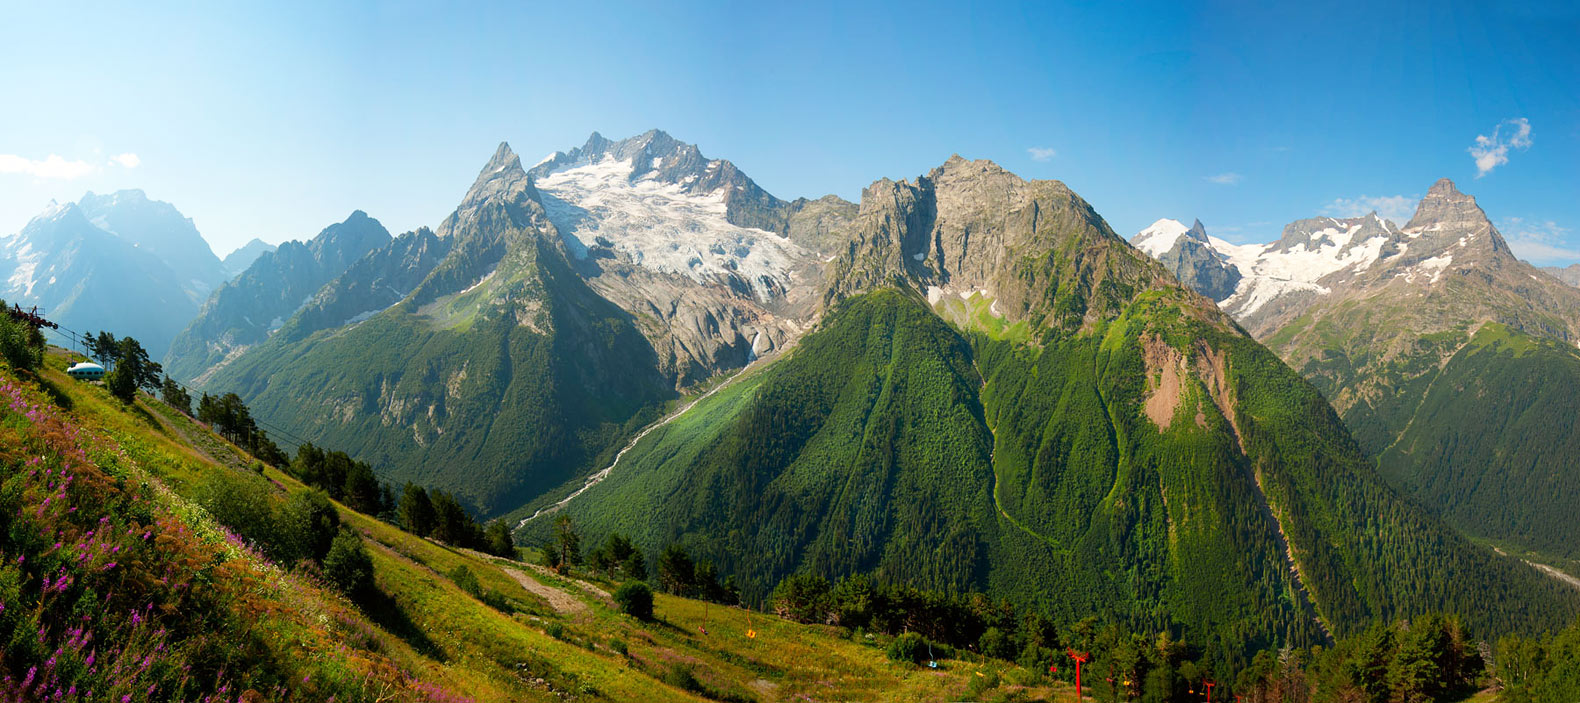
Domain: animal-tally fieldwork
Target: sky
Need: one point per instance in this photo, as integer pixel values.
(274, 120)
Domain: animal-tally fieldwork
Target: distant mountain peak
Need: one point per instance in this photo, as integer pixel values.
(1445, 205)
(503, 158)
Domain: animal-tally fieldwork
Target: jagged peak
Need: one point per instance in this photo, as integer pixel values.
(1446, 206)
(503, 158)
(503, 169)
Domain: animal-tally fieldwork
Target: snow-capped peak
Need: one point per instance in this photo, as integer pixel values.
(1159, 237)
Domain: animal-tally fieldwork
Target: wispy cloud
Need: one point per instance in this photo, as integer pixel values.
(54, 167)
(1041, 153)
(1492, 151)
(1227, 178)
(1539, 242)
(1398, 208)
(128, 160)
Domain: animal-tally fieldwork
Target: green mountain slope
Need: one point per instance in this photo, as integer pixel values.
(1492, 444)
(863, 451)
(171, 604)
(1108, 442)
(498, 376)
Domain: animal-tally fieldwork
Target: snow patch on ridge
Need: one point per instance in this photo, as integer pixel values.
(662, 227)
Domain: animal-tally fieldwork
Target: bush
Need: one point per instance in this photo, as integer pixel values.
(993, 643)
(22, 345)
(555, 630)
(244, 504)
(310, 523)
(681, 677)
(619, 647)
(635, 599)
(909, 647)
(802, 597)
(348, 566)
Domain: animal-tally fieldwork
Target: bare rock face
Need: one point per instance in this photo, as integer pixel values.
(1198, 265)
(971, 227)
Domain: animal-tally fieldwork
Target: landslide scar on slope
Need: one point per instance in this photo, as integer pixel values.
(1165, 378)
(1168, 372)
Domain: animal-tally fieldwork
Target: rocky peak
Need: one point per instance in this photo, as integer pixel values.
(501, 182)
(1197, 232)
(340, 244)
(1448, 218)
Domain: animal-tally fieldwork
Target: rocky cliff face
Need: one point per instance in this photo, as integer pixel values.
(1035, 249)
(1198, 265)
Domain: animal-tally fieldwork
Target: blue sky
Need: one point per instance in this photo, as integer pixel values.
(276, 120)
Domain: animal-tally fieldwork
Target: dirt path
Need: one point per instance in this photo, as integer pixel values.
(1550, 571)
(562, 602)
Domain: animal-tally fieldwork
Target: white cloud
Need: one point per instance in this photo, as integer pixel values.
(1542, 242)
(1227, 178)
(1039, 153)
(1399, 208)
(52, 167)
(1492, 152)
(129, 160)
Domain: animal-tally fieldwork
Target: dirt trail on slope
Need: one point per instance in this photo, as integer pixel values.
(562, 602)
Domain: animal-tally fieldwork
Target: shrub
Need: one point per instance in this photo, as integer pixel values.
(993, 643)
(244, 504)
(310, 523)
(121, 385)
(348, 566)
(466, 580)
(555, 630)
(909, 647)
(619, 646)
(21, 345)
(635, 599)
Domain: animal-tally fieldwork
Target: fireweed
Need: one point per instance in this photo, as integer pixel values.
(107, 593)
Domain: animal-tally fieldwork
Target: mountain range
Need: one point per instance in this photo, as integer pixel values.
(966, 382)
(119, 262)
(1452, 362)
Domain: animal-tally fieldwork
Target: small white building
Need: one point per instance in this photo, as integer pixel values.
(86, 371)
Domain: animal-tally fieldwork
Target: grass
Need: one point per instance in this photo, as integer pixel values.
(424, 638)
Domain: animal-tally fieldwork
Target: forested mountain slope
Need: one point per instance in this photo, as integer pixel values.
(1088, 436)
(1451, 361)
(498, 373)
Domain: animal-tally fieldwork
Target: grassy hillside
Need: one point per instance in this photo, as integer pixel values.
(1161, 470)
(169, 604)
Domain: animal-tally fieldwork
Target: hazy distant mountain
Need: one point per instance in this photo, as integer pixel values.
(119, 262)
(162, 230)
(246, 310)
(237, 261)
(1568, 274)
(1452, 361)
